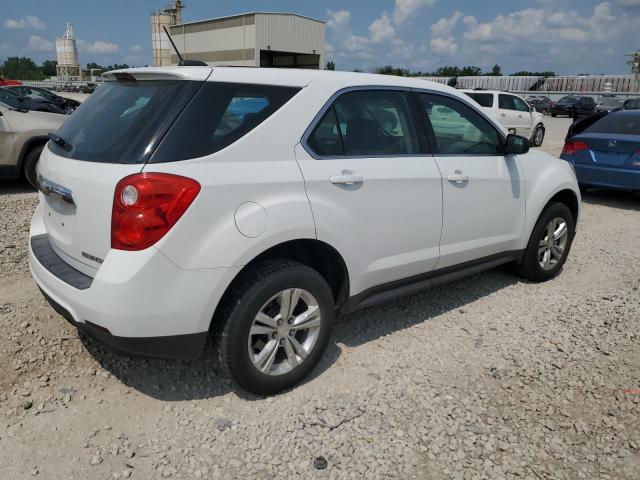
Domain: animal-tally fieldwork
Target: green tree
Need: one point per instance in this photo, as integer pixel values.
(330, 66)
(496, 71)
(49, 68)
(21, 68)
(526, 73)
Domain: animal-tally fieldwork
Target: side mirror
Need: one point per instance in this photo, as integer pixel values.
(516, 145)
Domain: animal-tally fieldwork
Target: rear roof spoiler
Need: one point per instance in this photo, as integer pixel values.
(198, 73)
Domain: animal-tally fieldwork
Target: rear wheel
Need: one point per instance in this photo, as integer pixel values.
(31, 163)
(549, 244)
(277, 325)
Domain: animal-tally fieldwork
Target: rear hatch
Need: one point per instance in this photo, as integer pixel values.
(609, 150)
(111, 135)
(612, 141)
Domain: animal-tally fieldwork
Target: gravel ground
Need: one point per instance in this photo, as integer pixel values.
(485, 378)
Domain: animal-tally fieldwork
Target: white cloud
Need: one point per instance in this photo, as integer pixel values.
(543, 27)
(444, 46)
(444, 26)
(98, 47)
(405, 9)
(136, 48)
(382, 30)
(30, 22)
(470, 21)
(39, 44)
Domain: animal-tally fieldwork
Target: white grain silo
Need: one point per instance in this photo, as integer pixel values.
(67, 52)
(161, 48)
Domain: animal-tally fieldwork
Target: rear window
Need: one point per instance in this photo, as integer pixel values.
(568, 100)
(483, 99)
(220, 114)
(123, 122)
(617, 123)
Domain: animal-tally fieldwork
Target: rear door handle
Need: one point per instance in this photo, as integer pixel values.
(346, 178)
(458, 178)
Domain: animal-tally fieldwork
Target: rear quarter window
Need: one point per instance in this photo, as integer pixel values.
(220, 114)
(483, 99)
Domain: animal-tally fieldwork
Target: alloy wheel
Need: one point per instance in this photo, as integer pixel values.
(553, 243)
(284, 331)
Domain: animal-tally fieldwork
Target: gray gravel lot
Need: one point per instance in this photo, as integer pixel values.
(485, 378)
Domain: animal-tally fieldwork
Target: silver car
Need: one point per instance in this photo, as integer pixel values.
(23, 134)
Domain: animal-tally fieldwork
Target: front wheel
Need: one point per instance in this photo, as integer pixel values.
(538, 136)
(30, 165)
(275, 327)
(549, 244)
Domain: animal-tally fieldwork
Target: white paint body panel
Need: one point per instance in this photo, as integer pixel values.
(405, 219)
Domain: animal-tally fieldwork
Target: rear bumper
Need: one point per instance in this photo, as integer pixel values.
(608, 177)
(138, 302)
(187, 346)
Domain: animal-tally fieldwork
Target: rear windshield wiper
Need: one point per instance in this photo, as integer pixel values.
(61, 142)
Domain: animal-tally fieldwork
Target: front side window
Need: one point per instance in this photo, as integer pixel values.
(506, 102)
(367, 123)
(520, 104)
(458, 129)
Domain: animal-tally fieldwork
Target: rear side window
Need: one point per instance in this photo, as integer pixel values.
(366, 123)
(220, 114)
(613, 123)
(483, 99)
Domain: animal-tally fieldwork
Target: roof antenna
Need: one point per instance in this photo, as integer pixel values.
(182, 62)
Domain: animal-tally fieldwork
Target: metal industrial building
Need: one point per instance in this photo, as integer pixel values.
(257, 39)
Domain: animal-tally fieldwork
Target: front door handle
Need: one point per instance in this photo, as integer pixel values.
(346, 178)
(458, 178)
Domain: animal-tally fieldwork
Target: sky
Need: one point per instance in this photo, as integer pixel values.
(565, 36)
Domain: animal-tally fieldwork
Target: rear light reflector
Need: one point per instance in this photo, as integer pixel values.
(146, 206)
(572, 147)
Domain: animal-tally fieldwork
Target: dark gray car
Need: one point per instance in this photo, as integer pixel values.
(609, 104)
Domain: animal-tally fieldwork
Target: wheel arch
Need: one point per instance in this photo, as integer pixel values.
(27, 147)
(316, 254)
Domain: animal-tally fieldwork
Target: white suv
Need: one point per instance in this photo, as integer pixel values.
(513, 112)
(246, 206)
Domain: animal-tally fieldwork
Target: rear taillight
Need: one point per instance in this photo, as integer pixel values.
(572, 147)
(146, 206)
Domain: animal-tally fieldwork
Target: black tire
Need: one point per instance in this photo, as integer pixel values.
(30, 165)
(529, 267)
(534, 142)
(250, 293)
(554, 115)
(583, 189)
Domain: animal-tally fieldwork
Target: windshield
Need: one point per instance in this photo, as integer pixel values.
(122, 122)
(568, 100)
(483, 99)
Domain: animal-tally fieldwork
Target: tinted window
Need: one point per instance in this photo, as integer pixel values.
(570, 100)
(520, 104)
(506, 102)
(8, 98)
(123, 122)
(483, 99)
(325, 139)
(220, 114)
(621, 124)
(459, 129)
(373, 122)
(587, 100)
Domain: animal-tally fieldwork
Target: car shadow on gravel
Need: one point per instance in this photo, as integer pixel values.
(12, 187)
(177, 380)
(372, 323)
(613, 199)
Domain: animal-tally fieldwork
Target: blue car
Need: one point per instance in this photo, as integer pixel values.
(606, 154)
